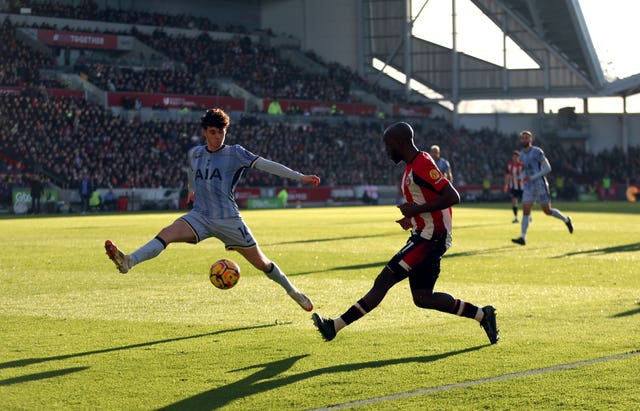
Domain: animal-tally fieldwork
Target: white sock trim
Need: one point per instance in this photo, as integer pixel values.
(479, 315)
(360, 308)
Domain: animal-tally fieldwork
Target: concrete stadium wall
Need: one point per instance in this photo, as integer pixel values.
(603, 131)
(329, 27)
(504, 122)
(606, 131)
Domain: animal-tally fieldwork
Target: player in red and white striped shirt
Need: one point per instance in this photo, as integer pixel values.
(428, 197)
(513, 182)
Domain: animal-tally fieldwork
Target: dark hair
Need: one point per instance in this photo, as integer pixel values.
(214, 117)
(400, 130)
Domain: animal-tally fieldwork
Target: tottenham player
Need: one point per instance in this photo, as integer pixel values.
(428, 197)
(215, 169)
(536, 187)
(513, 182)
(442, 163)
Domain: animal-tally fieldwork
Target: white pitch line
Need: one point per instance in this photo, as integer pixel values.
(476, 382)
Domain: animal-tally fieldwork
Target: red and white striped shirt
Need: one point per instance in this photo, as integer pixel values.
(514, 174)
(422, 182)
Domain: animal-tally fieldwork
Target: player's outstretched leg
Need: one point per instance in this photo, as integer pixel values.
(325, 327)
(279, 277)
(301, 299)
(489, 325)
(120, 259)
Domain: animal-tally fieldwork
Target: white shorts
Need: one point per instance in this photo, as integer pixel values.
(537, 190)
(233, 232)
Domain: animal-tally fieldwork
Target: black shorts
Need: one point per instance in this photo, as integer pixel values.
(515, 193)
(419, 260)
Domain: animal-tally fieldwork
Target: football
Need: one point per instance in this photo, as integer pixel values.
(224, 274)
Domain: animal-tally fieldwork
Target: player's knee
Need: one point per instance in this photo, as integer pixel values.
(165, 236)
(423, 301)
(265, 266)
(385, 280)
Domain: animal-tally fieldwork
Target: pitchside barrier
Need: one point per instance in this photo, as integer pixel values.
(56, 200)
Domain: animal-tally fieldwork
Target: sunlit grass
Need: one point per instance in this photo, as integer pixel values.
(78, 335)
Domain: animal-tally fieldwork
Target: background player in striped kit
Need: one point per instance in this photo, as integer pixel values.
(535, 185)
(513, 182)
(428, 197)
(214, 171)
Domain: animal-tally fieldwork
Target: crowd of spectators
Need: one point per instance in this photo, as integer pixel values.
(67, 138)
(19, 64)
(171, 81)
(344, 154)
(89, 10)
(254, 67)
(349, 76)
(476, 155)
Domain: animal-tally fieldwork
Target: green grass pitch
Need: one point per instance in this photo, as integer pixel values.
(78, 335)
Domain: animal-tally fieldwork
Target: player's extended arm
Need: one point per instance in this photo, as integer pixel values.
(544, 170)
(283, 171)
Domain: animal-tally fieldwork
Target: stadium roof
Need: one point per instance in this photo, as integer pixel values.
(552, 33)
(623, 87)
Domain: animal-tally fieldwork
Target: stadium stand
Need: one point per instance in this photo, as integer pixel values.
(115, 78)
(21, 66)
(64, 137)
(251, 66)
(89, 10)
(80, 135)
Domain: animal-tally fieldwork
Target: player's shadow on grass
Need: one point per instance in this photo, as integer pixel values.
(627, 313)
(624, 248)
(266, 379)
(40, 376)
(477, 252)
(328, 239)
(355, 237)
(378, 264)
(29, 361)
(465, 226)
(381, 264)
